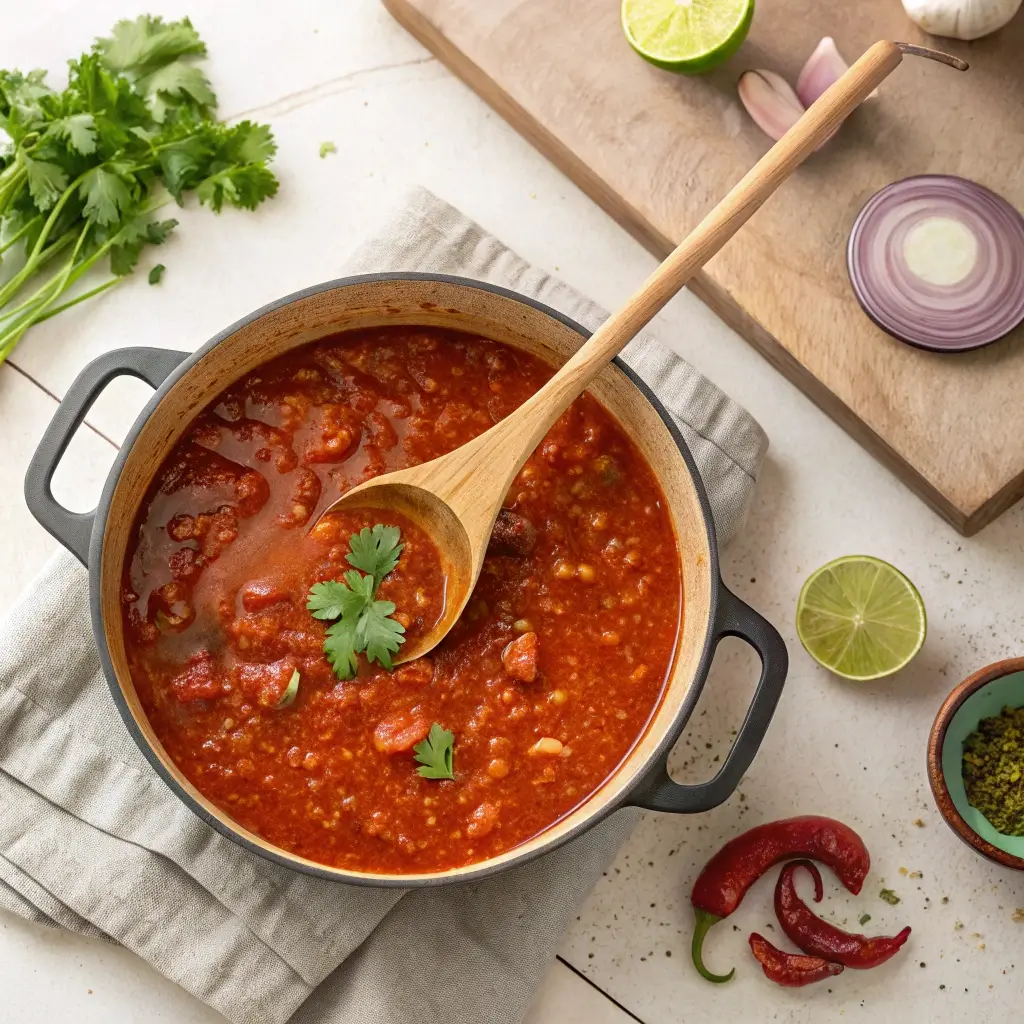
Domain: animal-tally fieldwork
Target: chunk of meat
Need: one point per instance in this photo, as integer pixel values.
(340, 433)
(305, 495)
(185, 564)
(265, 684)
(197, 680)
(260, 594)
(414, 673)
(400, 732)
(512, 535)
(520, 658)
(252, 491)
(382, 433)
(482, 820)
(215, 532)
(457, 420)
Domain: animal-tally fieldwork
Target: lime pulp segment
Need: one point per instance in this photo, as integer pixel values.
(861, 618)
(686, 34)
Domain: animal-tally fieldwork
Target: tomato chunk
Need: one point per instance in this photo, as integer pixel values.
(400, 732)
(266, 684)
(260, 594)
(415, 673)
(520, 658)
(197, 681)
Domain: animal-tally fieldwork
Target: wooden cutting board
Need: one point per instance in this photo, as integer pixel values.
(657, 151)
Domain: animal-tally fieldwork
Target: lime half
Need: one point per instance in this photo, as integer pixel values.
(861, 618)
(689, 36)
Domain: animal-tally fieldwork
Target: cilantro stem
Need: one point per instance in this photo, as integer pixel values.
(20, 234)
(32, 300)
(9, 290)
(10, 188)
(38, 302)
(52, 219)
(80, 298)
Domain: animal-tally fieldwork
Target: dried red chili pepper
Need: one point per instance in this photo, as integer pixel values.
(818, 937)
(791, 969)
(742, 861)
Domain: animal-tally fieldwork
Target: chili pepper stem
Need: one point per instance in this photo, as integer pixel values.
(703, 922)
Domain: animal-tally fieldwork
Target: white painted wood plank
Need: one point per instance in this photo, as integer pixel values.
(55, 976)
(565, 998)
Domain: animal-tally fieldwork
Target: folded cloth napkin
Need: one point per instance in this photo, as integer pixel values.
(93, 841)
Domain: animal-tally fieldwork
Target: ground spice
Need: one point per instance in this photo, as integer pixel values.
(993, 770)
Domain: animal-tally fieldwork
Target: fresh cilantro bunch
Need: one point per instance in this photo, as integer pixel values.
(363, 623)
(83, 171)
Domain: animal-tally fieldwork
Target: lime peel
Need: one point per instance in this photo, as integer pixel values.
(686, 36)
(860, 618)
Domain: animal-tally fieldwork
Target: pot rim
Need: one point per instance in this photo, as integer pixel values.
(483, 869)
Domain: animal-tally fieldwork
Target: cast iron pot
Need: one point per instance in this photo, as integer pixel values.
(185, 384)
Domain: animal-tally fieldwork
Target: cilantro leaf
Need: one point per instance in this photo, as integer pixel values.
(340, 648)
(179, 82)
(375, 551)
(105, 194)
(247, 143)
(133, 235)
(46, 181)
(326, 148)
(78, 130)
(156, 274)
(334, 600)
(377, 634)
(181, 163)
(245, 187)
(149, 42)
(436, 754)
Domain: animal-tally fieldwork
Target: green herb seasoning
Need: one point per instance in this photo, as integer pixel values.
(889, 896)
(993, 770)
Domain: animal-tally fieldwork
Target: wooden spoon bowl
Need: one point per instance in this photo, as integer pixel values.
(444, 527)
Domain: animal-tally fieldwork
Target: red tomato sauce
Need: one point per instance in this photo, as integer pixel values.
(546, 681)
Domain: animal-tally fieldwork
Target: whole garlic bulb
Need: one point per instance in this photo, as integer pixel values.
(961, 19)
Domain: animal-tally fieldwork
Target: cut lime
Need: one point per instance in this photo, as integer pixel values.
(688, 36)
(861, 618)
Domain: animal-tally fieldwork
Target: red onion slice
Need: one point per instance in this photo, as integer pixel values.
(938, 262)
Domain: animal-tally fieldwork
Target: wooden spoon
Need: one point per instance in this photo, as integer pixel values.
(457, 497)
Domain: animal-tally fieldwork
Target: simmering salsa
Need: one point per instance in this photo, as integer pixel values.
(545, 682)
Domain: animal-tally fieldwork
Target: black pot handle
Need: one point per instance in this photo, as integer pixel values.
(74, 529)
(658, 792)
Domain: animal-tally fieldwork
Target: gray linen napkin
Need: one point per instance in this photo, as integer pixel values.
(92, 840)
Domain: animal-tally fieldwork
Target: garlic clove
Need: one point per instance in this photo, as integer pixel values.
(824, 67)
(770, 101)
(961, 19)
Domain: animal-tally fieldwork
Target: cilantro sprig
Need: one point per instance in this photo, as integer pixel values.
(363, 625)
(84, 170)
(435, 754)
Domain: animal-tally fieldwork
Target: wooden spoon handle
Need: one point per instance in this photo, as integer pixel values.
(534, 418)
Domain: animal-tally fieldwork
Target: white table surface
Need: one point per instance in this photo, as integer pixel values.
(341, 70)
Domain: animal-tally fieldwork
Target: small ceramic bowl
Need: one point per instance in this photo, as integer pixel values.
(980, 696)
